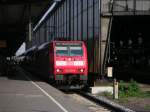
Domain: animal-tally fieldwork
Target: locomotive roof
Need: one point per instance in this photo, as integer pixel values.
(43, 45)
(29, 50)
(68, 41)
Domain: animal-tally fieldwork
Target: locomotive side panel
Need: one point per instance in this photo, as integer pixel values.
(51, 61)
(42, 62)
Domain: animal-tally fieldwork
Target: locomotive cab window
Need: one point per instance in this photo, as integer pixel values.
(69, 49)
(62, 50)
(76, 51)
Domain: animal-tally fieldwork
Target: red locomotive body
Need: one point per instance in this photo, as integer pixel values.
(70, 60)
(64, 62)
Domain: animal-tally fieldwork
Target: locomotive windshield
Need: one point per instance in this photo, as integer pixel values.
(76, 50)
(62, 50)
(70, 49)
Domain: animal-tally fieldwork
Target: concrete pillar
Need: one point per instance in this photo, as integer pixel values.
(30, 24)
(105, 6)
(30, 30)
(105, 27)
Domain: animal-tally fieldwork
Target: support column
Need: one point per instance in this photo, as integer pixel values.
(30, 24)
(105, 30)
(30, 31)
(105, 37)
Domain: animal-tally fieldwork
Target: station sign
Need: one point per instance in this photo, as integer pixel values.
(3, 43)
(110, 71)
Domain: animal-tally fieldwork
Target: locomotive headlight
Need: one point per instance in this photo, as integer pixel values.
(78, 63)
(61, 63)
(57, 70)
(81, 70)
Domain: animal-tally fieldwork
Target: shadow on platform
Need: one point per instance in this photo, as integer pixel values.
(20, 74)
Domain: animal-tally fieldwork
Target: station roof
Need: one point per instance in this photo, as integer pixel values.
(14, 18)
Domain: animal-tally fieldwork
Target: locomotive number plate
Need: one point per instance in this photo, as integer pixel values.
(70, 63)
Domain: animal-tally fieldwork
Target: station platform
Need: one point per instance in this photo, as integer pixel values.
(20, 93)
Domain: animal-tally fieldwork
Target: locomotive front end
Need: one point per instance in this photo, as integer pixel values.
(71, 64)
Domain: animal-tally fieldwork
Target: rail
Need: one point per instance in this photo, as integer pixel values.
(104, 102)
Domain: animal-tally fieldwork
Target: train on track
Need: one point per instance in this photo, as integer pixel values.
(64, 63)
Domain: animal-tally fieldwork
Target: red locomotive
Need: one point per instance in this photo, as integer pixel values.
(64, 62)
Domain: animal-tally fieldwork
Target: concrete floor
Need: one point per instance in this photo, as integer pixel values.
(19, 94)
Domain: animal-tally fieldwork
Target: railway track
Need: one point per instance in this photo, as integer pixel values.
(97, 104)
(112, 106)
(93, 106)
